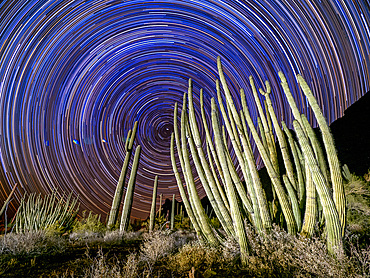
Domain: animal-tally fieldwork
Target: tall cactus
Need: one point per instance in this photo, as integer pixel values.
(173, 213)
(8, 199)
(154, 202)
(121, 182)
(334, 165)
(127, 204)
(304, 170)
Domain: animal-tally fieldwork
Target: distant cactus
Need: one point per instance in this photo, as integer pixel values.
(121, 182)
(154, 203)
(39, 213)
(127, 204)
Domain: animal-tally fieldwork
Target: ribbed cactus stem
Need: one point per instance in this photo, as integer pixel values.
(293, 201)
(173, 212)
(154, 204)
(290, 98)
(121, 182)
(257, 184)
(262, 132)
(193, 195)
(204, 171)
(240, 157)
(220, 188)
(334, 165)
(188, 203)
(208, 136)
(280, 135)
(8, 199)
(275, 178)
(129, 196)
(235, 210)
(334, 234)
(316, 146)
(268, 132)
(128, 139)
(297, 163)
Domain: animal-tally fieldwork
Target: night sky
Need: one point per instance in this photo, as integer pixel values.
(76, 75)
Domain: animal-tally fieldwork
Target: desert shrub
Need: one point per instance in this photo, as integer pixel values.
(200, 256)
(278, 254)
(357, 192)
(103, 267)
(31, 244)
(100, 267)
(156, 245)
(89, 223)
(131, 268)
(117, 237)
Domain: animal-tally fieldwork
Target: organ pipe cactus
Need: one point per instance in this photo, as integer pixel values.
(334, 165)
(127, 204)
(117, 199)
(294, 185)
(39, 213)
(154, 202)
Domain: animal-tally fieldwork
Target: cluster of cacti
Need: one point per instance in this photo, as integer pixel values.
(38, 213)
(301, 188)
(117, 199)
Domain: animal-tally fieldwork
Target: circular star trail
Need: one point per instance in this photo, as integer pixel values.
(76, 75)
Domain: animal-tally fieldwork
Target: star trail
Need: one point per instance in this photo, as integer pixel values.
(76, 75)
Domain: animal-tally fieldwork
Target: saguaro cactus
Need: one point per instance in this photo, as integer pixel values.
(154, 202)
(121, 182)
(173, 212)
(127, 205)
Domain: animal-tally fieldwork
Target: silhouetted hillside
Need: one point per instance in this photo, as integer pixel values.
(352, 136)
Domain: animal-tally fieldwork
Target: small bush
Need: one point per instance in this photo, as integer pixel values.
(197, 255)
(31, 244)
(156, 245)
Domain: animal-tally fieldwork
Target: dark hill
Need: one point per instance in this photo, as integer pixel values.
(352, 136)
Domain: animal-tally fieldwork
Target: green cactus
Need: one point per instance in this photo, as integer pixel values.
(154, 203)
(39, 213)
(231, 192)
(121, 182)
(173, 212)
(127, 204)
(333, 226)
(8, 199)
(193, 195)
(333, 161)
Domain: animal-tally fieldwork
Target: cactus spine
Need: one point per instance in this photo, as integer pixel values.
(154, 203)
(121, 182)
(127, 205)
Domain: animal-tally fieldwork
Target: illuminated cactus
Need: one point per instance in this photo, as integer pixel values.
(154, 202)
(121, 182)
(331, 153)
(127, 204)
(172, 213)
(294, 186)
(8, 199)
